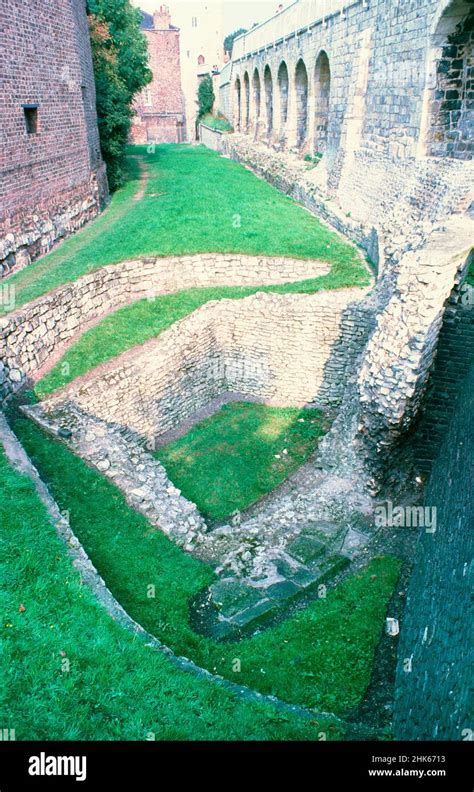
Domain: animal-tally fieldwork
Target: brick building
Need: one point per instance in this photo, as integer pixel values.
(52, 177)
(160, 114)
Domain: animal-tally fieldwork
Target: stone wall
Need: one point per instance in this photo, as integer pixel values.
(454, 357)
(52, 175)
(288, 349)
(434, 669)
(414, 225)
(32, 334)
(371, 68)
(212, 138)
(399, 357)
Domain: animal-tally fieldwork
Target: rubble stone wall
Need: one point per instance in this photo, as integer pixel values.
(31, 334)
(289, 349)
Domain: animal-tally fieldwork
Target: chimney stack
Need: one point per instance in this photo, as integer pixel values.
(162, 18)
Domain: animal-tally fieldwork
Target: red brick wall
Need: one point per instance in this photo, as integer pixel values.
(53, 181)
(162, 120)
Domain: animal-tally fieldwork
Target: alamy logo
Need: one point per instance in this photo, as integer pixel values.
(43, 765)
(8, 297)
(390, 516)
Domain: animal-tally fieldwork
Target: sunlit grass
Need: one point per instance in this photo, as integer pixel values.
(230, 460)
(322, 657)
(195, 202)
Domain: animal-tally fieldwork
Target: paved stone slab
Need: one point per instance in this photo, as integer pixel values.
(223, 629)
(232, 596)
(285, 590)
(353, 541)
(305, 549)
(255, 615)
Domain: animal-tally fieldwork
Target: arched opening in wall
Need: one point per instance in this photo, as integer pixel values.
(322, 91)
(301, 88)
(256, 96)
(238, 104)
(283, 83)
(201, 60)
(247, 101)
(450, 127)
(268, 83)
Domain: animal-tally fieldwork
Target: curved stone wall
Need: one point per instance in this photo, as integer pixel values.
(30, 335)
(289, 349)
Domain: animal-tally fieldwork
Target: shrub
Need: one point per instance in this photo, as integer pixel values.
(229, 39)
(205, 96)
(120, 58)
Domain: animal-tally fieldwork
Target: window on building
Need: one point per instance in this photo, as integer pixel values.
(31, 118)
(201, 60)
(147, 100)
(194, 21)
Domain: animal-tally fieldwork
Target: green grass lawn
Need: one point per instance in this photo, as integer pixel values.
(218, 122)
(116, 688)
(322, 657)
(239, 454)
(195, 201)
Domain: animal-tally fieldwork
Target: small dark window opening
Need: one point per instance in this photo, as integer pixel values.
(31, 118)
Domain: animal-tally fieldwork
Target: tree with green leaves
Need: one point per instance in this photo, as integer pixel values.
(229, 39)
(120, 58)
(206, 96)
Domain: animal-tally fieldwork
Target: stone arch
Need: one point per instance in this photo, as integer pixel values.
(246, 101)
(256, 94)
(322, 92)
(448, 114)
(301, 93)
(283, 86)
(237, 103)
(268, 86)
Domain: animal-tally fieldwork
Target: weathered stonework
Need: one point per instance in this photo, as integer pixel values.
(212, 138)
(52, 176)
(33, 333)
(434, 692)
(338, 78)
(285, 349)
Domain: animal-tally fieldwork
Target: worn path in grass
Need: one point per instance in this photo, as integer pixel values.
(194, 202)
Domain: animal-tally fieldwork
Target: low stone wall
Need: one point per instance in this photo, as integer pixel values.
(212, 138)
(289, 349)
(30, 335)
